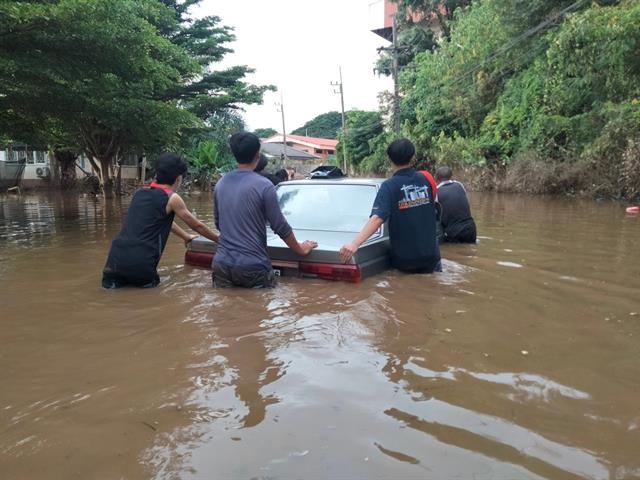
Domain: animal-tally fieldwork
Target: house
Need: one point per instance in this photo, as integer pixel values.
(302, 161)
(29, 167)
(324, 148)
(20, 165)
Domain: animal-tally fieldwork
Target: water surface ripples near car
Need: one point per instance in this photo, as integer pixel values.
(521, 360)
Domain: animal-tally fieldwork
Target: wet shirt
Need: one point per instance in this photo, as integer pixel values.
(456, 212)
(407, 202)
(244, 201)
(136, 250)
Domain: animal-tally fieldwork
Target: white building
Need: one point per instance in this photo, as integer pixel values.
(33, 170)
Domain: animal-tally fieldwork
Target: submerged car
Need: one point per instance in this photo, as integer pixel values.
(328, 211)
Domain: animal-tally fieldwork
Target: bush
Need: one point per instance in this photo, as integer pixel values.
(207, 163)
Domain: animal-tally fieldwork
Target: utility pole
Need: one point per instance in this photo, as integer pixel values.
(280, 108)
(340, 91)
(396, 80)
(395, 51)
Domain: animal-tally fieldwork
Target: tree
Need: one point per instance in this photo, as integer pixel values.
(326, 125)
(412, 39)
(442, 10)
(362, 128)
(265, 132)
(114, 77)
(207, 149)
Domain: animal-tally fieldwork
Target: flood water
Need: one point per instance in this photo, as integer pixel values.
(520, 361)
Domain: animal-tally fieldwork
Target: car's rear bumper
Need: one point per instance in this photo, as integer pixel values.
(370, 260)
(327, 271)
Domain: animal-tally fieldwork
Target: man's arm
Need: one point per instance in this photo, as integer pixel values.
(303, 249)
(380, 212)
(180, 232)
(281, 227)
(371, 227)
(177, 205)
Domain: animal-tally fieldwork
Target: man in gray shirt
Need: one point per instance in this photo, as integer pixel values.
(244, 202)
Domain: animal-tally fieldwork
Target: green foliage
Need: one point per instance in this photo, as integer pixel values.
(207, 150)
(207, 161)
(361, 142)
(550, 80)
(412, 39)
(587, 81)
(111, 77)
(377, 162)
(441, 10)
(326, 125)
(265, 132)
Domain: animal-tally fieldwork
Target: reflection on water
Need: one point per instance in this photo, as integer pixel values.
(519, 361)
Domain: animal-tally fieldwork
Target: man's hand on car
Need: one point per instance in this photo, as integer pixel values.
(306, 247)
(347, 252)
(187, 241)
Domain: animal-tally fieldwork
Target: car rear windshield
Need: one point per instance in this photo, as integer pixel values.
(336, 208)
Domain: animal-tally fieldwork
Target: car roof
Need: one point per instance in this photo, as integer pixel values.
(336, 181)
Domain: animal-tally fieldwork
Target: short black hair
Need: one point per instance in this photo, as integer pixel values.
(401, 152)
(169, 167)
(262, 163)
(444, 173)
(244, 146)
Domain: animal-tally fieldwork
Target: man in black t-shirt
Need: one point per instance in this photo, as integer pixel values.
(407, 202)
(457, 223)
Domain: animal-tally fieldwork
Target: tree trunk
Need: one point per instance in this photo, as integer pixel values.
(55, 169)
(119, 178)
(105, 176)
(66, 160)
(104, 146)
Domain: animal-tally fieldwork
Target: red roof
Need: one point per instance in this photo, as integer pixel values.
(319, 143)
(325, 142)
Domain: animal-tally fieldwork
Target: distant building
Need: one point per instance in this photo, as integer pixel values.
(29, 167)
(278, 150)
(302, 161)
(323, 148)
(381, 13)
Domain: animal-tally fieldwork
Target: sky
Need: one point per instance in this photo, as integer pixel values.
(297, 45)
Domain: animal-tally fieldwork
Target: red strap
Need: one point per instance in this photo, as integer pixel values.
(432, 182)
(164, 188)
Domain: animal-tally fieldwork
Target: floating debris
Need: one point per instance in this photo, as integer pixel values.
(509, 264)
(525, 352)
(448, 330)
(146, 424)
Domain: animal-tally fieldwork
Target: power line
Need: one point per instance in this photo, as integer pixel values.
(519, 39)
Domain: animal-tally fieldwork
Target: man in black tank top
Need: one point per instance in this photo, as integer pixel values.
(407, 202)
(136, 250)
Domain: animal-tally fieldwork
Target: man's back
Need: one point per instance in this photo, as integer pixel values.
(457, 222)
(244, 202)
(406, 200)
(136, 250)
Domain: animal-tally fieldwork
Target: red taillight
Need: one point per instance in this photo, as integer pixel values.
(328, 271)
(198, 259)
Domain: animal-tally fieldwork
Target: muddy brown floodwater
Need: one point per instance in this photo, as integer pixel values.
(521, 360)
